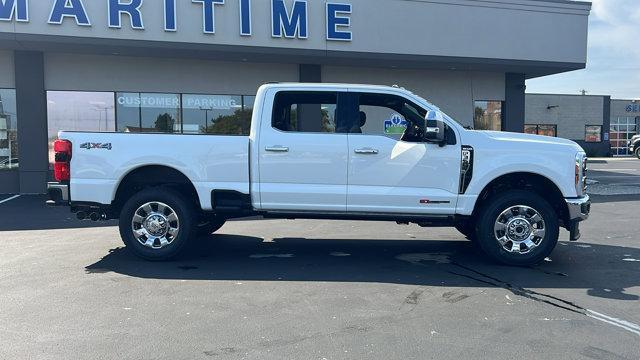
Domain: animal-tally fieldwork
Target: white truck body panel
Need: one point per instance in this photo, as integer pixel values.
(321, 172)
(209, 162)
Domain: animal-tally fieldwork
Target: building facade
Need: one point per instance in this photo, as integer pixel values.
(192, 66)
(601, 125)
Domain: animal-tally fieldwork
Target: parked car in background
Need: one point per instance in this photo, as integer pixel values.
(634, 146)
(9, 163)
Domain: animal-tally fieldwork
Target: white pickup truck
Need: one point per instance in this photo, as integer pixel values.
(330, 151)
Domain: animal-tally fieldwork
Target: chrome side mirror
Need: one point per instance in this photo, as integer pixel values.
(434, 131)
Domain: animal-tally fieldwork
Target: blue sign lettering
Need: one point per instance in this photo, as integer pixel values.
(69, 8)
(245, 17)
(633, 108)
(337, 17)
(289, 18)
(132, 8)
(170, 15)
(9, 8)
(209, 15)
(294, 25)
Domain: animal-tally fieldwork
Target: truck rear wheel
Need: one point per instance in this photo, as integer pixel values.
(156, 223)
(638, 151)
(517, 228)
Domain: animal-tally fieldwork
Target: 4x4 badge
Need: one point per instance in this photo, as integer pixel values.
(90, 146)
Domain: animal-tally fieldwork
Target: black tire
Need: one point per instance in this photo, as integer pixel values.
(495, 206)
(184, 211)
(638, 150)
(210, 226)
(467, 228)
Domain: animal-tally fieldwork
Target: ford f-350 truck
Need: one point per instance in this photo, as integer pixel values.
(330, 151)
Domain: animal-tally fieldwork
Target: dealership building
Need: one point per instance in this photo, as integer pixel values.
(601, 125)
(192, 67)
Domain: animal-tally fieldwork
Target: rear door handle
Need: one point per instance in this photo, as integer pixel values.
(366, 151)
(277, 148)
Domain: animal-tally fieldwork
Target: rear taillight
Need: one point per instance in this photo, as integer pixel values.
(62, 164)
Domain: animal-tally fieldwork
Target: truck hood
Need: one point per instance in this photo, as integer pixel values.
(532, 141)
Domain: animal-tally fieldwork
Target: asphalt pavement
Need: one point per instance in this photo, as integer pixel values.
(303, 289)
(614, 176)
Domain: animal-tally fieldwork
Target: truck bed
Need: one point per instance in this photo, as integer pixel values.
(101, 160)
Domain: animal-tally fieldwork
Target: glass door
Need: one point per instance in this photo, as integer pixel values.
(622, 129)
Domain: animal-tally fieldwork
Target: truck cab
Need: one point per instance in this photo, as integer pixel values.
(330, 151)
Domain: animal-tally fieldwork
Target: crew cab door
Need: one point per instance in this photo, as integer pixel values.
(391, 169)
(302, 158)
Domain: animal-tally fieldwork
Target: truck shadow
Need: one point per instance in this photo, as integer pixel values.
(602, 271)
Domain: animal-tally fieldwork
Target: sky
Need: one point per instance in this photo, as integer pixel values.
(613, 60)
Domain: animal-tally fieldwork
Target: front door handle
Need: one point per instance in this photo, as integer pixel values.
(277, 148)
(366, 151)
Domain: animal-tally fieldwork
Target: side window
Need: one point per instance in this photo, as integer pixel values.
(389, 115)
(305, 111)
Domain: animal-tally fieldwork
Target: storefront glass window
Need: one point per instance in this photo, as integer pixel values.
(8, 130)
(148, 112)
(546, 130)
(78, 111)
(487, 115)
(214, 114)
(621, 131)
(593, 133)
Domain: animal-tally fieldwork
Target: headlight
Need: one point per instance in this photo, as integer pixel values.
(581, 174)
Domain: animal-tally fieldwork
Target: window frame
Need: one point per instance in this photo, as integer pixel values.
(450, 133)
(585, 134)
(339, 109)
(11, 156)
(555, 128)
(502, 102)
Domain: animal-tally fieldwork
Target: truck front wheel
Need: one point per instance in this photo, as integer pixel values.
(517, 228)
(156, 223)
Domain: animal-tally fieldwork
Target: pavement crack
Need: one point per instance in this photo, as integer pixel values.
(517, 290)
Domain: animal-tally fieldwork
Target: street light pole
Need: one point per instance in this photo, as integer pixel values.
(206, 117)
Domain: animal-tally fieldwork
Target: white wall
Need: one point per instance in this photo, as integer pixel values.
(7, 71)
(119, 73)
(452, 91)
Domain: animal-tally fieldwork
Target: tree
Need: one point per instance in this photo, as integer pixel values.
(237, 124)
(165, 123)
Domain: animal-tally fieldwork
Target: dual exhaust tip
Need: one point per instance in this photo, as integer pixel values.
(93, 216)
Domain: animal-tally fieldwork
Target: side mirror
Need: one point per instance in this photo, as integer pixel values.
(434, 131)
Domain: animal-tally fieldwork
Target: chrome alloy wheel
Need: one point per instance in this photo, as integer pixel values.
(155, 225)
(519, 229)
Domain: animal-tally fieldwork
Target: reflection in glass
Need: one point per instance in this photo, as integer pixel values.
(148, 112)
(593, 133)
(215, 114)
(78, 111)
(487, 115)
(8, 130)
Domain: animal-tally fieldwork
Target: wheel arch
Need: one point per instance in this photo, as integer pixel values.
(523, 180)
(146, 176)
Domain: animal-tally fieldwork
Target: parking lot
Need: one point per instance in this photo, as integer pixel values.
(282, 289)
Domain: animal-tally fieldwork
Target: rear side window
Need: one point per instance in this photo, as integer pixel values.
(305, 111)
